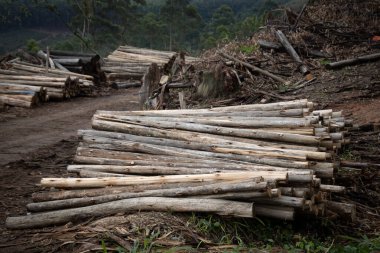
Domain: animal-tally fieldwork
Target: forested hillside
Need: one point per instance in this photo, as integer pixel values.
(91, 25)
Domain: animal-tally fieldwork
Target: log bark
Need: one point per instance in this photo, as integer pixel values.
(220, 207)
(289, 48)
(217, 188)
(103, 182)
(353, 61)
(276, 212)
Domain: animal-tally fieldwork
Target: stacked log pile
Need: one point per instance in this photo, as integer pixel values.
(25, 85)
(130, 63)
(271, 160)
(82, 63)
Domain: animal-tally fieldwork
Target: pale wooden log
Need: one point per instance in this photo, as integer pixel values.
(220, 207)
(15, 102)
(295, 104)
(332, 188)
(142, 170)
(212, 145)
(205, 112)
(145, 51)
(277, 212)
(238, 196)
(254, 68)
(259, 122)
(168, 151)
(39, 70)
(171, 192)
(204, 151)
(103, 182)
(98, 174)
(69, 61)
(282, 201)
(85, 193)
(100, 124)
(33, 83)
(284, 41)
(357, 60)
(47, 58)
(299, 192)
(59, 66)
(345, 210)
(33, 78)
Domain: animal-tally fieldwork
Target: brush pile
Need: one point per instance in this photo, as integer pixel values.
(271, 160)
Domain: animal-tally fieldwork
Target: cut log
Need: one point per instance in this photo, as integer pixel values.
(220, 207)
(217, 188)
(103, 182)
(357, 60)
(284, 41)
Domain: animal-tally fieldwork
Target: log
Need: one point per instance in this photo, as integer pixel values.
(269, 44)
(209, 189)
(103, 182)
(15, 102)
(282, 201)
(277, 212)
(220, 207)
(125, 126)
(254, 68)
(284, 41)
(353, 61)
(150, 83)
(345, 210)
(332, 188)
(46, 57)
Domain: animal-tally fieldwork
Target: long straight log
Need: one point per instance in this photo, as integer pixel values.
(34, 83)
(284, 41)
(243, 122)
(171, 192)
(353, 61)
(221, 207)
(15, 102)
(277, 212)
(103, 182)
(282, 201)
(168, 151)
(122, 126)
(196, 143)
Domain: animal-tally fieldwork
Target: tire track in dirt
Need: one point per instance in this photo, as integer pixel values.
(53, 122)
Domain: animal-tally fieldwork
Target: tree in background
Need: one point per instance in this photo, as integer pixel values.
(182, 20)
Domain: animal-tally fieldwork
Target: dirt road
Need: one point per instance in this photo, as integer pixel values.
(53, 122)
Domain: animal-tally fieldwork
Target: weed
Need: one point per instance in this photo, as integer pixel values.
(248, 49)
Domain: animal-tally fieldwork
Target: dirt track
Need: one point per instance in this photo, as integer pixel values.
(53, 122)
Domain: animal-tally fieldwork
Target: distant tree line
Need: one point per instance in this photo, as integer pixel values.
(189, 25)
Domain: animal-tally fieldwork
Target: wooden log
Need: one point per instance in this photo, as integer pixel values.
(332, 188)
(49, 61)
(254, 68)
(252, 196)
(15, 102)
(269, 45)
(276, 212)
(168, 151)
(282, 201)
(98, 174)
(103, 137)
(144, 170)
(284, 41)
(69, 61)
(220, 207)
(241, 122)
(344, 210)
(103, 182)
(102, 123)
(170, 192)
(353, 61)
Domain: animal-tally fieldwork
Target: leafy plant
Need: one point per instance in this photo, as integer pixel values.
(248, 49)
(32, 46)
